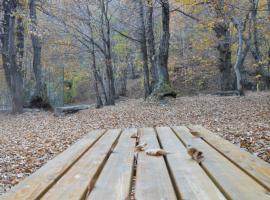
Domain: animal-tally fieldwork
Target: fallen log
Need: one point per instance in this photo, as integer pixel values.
(70, 109)
(228, 93)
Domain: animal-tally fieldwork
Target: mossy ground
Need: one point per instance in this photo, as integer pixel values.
(162, 90)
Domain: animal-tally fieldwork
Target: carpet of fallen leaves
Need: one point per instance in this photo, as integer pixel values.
(29, 140)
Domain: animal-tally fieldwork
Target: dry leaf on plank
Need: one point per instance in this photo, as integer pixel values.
(156, 152)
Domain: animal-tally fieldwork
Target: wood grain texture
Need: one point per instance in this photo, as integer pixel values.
(254, 166)
(234, 183)
(80, 178)
(115, 180)
(35, 185)
(152, 181)
(190, 179)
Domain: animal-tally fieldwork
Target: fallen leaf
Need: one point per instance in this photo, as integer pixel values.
(195, 154)
(141, 147)
(156, 152)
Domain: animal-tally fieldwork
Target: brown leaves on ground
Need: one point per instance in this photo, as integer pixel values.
(28, 141)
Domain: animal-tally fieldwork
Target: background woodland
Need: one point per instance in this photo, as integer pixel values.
(62, 52)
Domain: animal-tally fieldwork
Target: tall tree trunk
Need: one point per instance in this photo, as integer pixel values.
(40, 89)
(106, 34)
(256, 52)
(110, 76)
(222, 31)
(224, 49)
(12, 66)
(144, 51)
(16, 76)
(151, 43)
(163, 88)
(268, 5)
(239, 26)
(20, 41)
(103, 88)
(99, 102)
(5, 41)
(255, 29)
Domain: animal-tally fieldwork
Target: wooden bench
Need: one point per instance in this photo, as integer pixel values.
(103, 166)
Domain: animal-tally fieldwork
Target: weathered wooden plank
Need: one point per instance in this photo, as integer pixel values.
(252, 165)
(230, 179)
(152, 180)
(35, 185)
(190, 179)
(81, 177)
(115, 180)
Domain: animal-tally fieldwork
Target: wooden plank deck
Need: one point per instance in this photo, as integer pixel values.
(104, 165)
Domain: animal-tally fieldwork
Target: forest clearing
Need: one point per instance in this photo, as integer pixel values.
(71, 68)
(27, 145)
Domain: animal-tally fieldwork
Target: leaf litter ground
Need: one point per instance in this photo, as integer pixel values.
(29, 140)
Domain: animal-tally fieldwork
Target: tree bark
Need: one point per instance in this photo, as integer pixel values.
(40, 89)
(151, 43)
(164, 43)
(99, 102)
(163, 88)
(144, 51)
(256, 52)
(268, 6)
(5, 41)
(20, 41)
(255, 29)
(106, 37)
(12, 65)
(222, 31)
(239, 25)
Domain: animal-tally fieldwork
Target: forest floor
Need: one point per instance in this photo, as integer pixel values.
(29, 140)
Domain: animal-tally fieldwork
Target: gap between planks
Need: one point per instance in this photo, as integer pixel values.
(231, 180)
(82, 176)
(36, 185)
(256, 168)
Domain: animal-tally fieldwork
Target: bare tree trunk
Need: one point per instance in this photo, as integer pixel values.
(40, 90)
(151, 43)
(144, 51)
(99, 102)
(224, 49)
(12, 66)
(5, 41)
(239, 25)
(16, 77)
(103, 88)
(163, 88)
(222, 31)
(256, 52)
(268, 5)
(106, 34)
(164, 43)
(255, 29)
